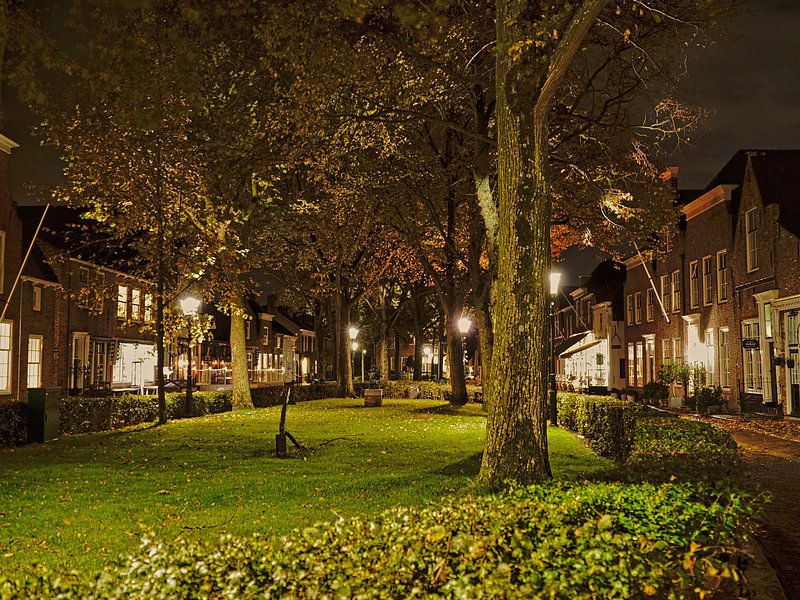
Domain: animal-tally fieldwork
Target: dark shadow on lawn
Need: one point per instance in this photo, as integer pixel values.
(448, 409)
(469, 466)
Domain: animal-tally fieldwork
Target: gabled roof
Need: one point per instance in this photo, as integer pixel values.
(778, 178)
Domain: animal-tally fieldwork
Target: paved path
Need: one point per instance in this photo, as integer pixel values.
(773, 464)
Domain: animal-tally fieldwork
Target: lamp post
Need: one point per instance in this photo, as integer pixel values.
(190, 305)
(427, 352)
(555, 278)
(464, 325)
(363, 356)
(352, 331)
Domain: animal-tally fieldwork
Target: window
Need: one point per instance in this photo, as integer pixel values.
(136, 304)
(37, 298)
(694, 288)
(99, 293)
(708, 281)
(637, 306)
(83, 287)
(34, 361)
(148, 308)
(2, 261)
(651, 299)
(665, 292)
(722, 276)
(751, 238)
(122, 302)
(724, 358)
(666, 351)
(629, 308)
(677, 350)
(710, 358)
(676, 291)
(5, 356)
(752, 358)
(639, 362)
(631, 365)
(768, 320)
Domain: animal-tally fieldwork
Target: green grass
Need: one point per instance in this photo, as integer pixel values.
(80, 502)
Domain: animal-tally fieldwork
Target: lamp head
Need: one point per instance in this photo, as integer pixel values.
(353, 332)
(464, 325)
(190, 305)
(427, 351)
(355, 346)
(555, 278)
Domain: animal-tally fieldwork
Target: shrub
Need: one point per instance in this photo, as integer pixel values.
(655, 391)
(81, 414)
(548, 541)
(609, 424)
(13, 423)
(668, 447)
(429, 390)
(273, 395)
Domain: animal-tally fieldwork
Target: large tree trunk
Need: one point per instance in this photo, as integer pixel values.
(397, 367)
(516, 434)
(319, 337)
(419, 343)
(344, 367)
(486, 341)
(239, 376)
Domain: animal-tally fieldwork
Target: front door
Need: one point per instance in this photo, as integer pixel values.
(792, 358)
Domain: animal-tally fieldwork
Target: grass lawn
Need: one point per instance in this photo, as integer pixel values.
(80, 502)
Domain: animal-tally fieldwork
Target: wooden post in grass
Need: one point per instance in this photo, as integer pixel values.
(280, 438)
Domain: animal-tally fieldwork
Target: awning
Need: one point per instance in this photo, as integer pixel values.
(569, 342)
(580, 348)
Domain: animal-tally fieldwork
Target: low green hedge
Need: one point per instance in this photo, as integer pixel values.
(272, 395)
(609, 424)
(428, 390)
(666, 447)
(13, 423)
(558, 540)
(81, 414)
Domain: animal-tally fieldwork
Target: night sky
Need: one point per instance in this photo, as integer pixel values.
(750, 80)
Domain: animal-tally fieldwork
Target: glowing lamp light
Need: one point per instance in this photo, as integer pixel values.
(353, 332)
(190, 305)
(427, 351)
(555, 278)
(464, 324)
(355, 346)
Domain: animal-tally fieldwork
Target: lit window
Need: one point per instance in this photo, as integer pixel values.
(710, 357)
(676, 291)
(694, 288)
(751, 239)
(629, 308)
(639, 362)
(708, 281)
(666, 351)
(5, 356)
(136, 304)
(637, 306)
(37, 298)
(148, 307)
(677, 350)
(768, 320)
(122, 302)
(83, 287)
(724, 358)
(752, 357)
(34, 361)
(631, 365)
(722, 276)
(665, 292)
(651, 299)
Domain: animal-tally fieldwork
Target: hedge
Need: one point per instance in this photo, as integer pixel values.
(13, 423)
(428, 390)
(558, 540)
(667, 447)
(609, 424)
(81, 414)
(273, 395)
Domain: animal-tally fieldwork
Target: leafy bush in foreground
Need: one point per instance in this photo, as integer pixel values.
(13, 423)
(552, 541)
(666, 447)
(609, 424)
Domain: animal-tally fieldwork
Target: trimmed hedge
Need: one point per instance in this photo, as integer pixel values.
(13, 424)
(666, 447)
(81, 414)
(609, 424)
(557, 540)
(428, 390)
(272, 395)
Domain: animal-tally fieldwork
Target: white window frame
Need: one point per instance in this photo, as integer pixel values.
(708, 281)
(711, 357)
(665, 292)
(136, 304)
(723, 273)
(751, 359)
(122, 302)
(6, 353)
(768, 320)
(694, 281)
(666, 351)
(37, 298)
(37, 373)
(148, 308)
(629, 309)
(650, 301)
(676, 291)
(631, 364)
(724, 357)
(637, 307)
(751, 239)
(677, 350)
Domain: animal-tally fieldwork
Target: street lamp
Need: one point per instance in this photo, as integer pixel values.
(555, 278)
(426, 350)
(190, 305)
(353, 333)
(363, 356)
(464, 325)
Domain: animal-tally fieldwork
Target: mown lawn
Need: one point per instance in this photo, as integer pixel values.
(80, 502)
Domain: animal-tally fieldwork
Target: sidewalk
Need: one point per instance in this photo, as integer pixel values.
(771, 450)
